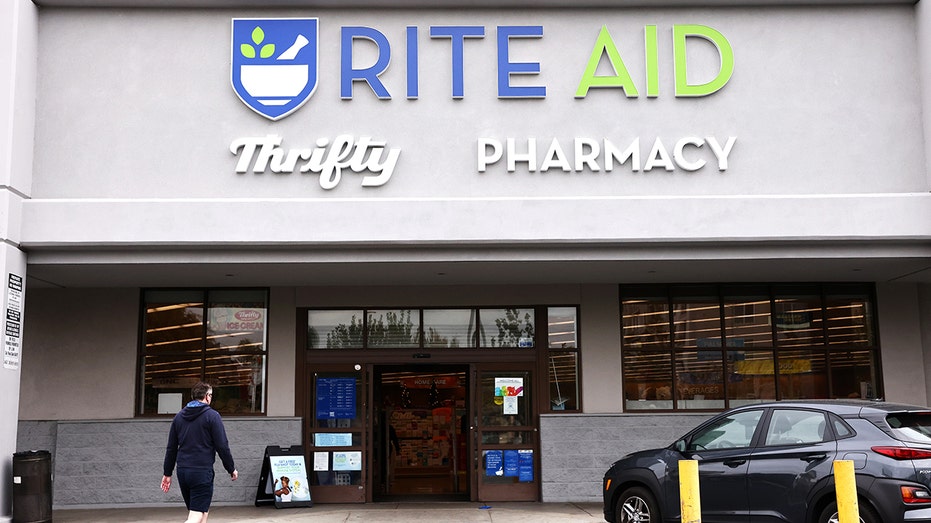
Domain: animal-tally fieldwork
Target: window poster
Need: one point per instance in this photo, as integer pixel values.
(347, 460)
(236, 319)
(336, 398)
(494, 463)
(525, 465)
(333, 439)
(321, 461)
(510, 463)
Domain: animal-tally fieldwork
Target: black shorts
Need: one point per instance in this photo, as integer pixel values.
(196, 488)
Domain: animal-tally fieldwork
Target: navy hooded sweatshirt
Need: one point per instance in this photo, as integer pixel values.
(196, 436)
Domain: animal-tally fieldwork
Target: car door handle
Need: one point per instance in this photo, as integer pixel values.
(733, 463)
(814, 457)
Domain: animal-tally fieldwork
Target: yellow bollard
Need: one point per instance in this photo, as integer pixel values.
(689, 497)
(845, 483)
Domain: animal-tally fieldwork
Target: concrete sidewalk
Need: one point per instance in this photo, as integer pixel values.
(500, 512)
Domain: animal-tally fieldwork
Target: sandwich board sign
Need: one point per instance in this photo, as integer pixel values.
(283, 481)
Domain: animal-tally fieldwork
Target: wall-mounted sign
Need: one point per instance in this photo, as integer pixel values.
(12, 330)
(274, 72)
(275, 60)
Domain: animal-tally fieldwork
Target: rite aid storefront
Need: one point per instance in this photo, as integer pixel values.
(470, 253)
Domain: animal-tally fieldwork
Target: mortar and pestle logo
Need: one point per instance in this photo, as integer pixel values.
(273, 84)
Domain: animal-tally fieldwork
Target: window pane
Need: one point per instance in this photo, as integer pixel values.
(791, 427)
(697, 322)
(747, 321)
(733, 431)
(237, 320)
(167, 382)
(393, 328)
(562, 327)
(798, 321)
(852, 374)
(564, 384)
(699, 379)
(334, 329)
(645, 323)
(449, 328)
(237, 382)
(647, 380)
(911, 427)
(849, 320)
(803, 374)
(751, 377)
(506, 328)
(174, 322)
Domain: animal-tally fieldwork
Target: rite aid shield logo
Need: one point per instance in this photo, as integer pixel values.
(274, 63)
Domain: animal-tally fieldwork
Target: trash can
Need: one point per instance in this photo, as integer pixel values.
(32, 486)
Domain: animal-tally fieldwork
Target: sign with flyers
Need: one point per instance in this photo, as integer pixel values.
(283, 480)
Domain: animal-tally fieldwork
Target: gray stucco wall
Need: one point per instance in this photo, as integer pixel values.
(117, 462)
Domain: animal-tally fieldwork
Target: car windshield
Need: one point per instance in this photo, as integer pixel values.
(912, 426)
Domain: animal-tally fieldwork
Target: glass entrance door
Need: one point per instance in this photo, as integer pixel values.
(336, 434)
(508, 450)
(420, 431)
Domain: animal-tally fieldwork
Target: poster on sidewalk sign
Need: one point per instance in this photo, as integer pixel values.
(283, 480)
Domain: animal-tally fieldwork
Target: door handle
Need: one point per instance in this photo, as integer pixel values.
(734, 463)
(814, 457)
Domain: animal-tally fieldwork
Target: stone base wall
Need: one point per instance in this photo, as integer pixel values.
(117, 462)
(577, 449)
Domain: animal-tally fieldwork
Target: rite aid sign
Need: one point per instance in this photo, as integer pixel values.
(274, 71)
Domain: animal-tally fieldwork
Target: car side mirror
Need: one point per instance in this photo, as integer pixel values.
(681, 445)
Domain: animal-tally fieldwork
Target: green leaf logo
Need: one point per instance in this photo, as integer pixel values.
(258, 36)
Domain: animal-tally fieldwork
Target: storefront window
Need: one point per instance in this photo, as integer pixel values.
(713, 347)
(748, 318)
(798, 320)
(563, 358)
(218, 336)
(340, 329)
(506, 328)
(449, 328)
(393, 328)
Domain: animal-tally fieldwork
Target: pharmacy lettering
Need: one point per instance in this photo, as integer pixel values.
(327, 158)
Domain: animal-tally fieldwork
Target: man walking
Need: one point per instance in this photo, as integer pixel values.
(196, 437)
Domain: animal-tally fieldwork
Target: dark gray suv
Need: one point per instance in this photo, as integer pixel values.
(773, 462)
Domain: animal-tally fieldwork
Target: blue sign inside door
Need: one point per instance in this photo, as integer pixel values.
(336, 398)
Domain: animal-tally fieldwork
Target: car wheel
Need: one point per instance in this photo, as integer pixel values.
(867, 514)
(636, 505)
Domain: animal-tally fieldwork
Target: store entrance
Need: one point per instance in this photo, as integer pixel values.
(421, 432)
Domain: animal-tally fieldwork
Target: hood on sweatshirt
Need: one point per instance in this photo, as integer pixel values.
(194, 409)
